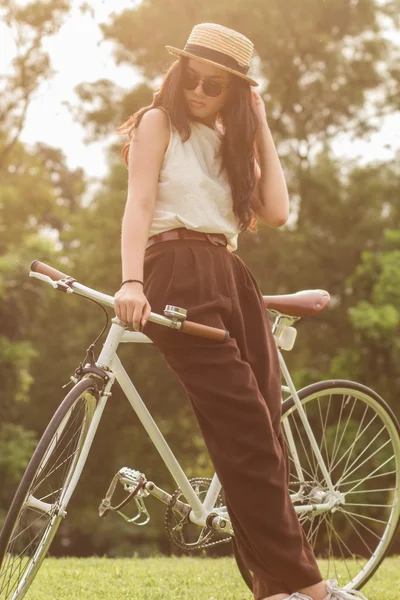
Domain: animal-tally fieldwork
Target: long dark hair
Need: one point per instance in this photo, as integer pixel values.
(239, 122)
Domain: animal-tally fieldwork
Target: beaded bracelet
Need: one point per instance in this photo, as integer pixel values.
(131, 281)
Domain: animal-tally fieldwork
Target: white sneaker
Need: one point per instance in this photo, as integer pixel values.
(334, 593)
(337, 593)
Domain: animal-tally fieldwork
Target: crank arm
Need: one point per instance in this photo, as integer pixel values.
(180, 507)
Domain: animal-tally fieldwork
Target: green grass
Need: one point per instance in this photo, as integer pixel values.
(182, 578)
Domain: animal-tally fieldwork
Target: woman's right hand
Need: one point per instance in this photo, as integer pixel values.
(131, 305)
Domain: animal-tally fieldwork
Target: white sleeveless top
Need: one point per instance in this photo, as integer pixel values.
(191, 193)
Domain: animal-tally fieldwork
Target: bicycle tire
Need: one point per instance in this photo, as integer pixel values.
(74, 414)
(374, 403)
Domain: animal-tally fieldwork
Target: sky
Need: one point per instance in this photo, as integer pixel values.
(79, 54)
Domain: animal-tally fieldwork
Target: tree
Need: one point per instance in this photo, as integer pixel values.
(376, 316)
(37, 191)
(30, 25)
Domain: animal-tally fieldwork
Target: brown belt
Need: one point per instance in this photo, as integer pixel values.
(181, 233)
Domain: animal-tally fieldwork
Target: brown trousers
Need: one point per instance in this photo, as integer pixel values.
(235, 391)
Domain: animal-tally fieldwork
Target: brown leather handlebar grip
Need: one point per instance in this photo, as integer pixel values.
(44, 269)
(211, 333)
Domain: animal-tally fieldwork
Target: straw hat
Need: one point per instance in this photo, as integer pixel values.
(220, 46)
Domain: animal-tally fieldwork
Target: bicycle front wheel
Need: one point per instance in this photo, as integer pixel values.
(41, 498)
(359, 439)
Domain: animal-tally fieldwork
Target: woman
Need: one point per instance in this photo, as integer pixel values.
(194, 184)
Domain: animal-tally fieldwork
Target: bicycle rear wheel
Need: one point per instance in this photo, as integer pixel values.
(359, 439)
(46, 486)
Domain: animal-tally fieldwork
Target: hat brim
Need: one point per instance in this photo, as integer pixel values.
(178, 52)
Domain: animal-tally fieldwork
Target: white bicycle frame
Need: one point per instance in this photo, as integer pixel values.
(110, 361)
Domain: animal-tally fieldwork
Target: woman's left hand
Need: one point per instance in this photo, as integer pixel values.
(259, 106)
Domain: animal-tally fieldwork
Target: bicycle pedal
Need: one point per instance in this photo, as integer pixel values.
(130, 479)
(133, 482)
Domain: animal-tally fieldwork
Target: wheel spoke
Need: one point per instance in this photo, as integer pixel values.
(43, 498)
(355, 517)
(368, 476)
(371, 505)
(370, 491)
(357, 533)
(357, 436)
(335, 448)
(331, 553)
(364, 516)
(346, 425)
(345, 470)
(340, 542)
(313, 536)
(51, 473)
(300, 437)
(350, 449)
(307, 473)
(75, 434)
(325, 422)
(15, 537)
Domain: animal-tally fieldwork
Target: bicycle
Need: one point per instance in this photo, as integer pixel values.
(343, 448)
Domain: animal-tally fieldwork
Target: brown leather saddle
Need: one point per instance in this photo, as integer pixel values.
(300, 304)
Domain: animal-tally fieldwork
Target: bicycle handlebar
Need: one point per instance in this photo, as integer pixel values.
(205, 331)
(54, 274)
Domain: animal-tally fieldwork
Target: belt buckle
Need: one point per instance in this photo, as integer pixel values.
(208, 236)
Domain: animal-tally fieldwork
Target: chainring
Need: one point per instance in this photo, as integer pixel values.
(185, 534)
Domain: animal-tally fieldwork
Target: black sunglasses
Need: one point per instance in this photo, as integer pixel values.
(210, 87)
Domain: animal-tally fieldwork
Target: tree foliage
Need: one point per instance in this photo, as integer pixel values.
(29, 23)
(37, 192)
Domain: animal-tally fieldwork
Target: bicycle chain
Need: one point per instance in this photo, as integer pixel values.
(169, 514)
